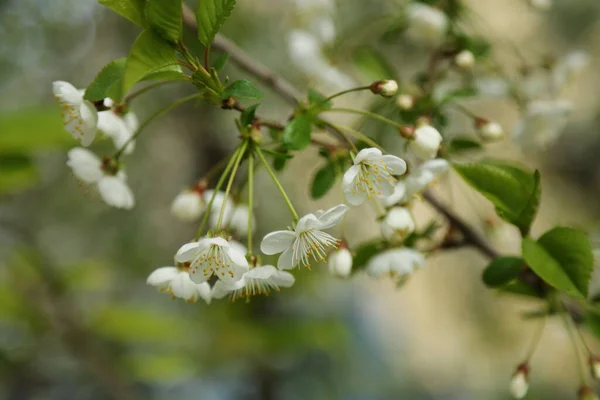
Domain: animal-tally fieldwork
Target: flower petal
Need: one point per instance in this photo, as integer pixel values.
(89, 122)
(204, 291)
(309, 221)
(183, 287)
(162, 276)
(333, 216)
(286, 259)
(85, 165)
(115, 192)
(237, 257)
(187, 252)
(276, 242)
(367, 154)
(397, 164)
(283, 279)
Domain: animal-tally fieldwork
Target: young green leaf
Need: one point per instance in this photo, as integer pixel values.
(323, 181)
(514, 191)
(165, 18)
(133, 10)
(373, 65)
(317, 101)
(220, 61)
(297, 133)
(461, 145)
(563, 258)
(108, 82)
(242, 89)
(248, 114)
(211, 15)
(149, 54)
(502, 271)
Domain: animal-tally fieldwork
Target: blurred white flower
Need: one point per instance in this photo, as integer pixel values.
(542, 124)
(79, 116)
(213, 256)
(519, 384)
(491, 86)
(426, 25)
(490, 131)
(397, 224)
(595, 367)
(238, 221)
(119, 128)
(340, 262)
(541, 4)
(464, 60)
(307, 241)
(425, 142)
(215, 210)
(405, 101)
(188, 205)
(397, 196)
(569, 67)
(111, 185)
(371, 175)
(176, 282)
(398, 263)
(257, 281)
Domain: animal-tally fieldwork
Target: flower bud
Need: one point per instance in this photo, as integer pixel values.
(340, 262)
(239, 219)
(595, 366)
(464, 60)
(587, 393)
(489, 131)
(425, 142)
(405, 101)
(426, 24)
(519, 384)
(188, 205)
(397, 224)
(386, 88)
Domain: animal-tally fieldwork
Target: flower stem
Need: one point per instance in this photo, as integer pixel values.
(230, 183)
(146, 88)
(250, 199)
(277, 183)
(536, 340)
(360, 135)
(343, 92)
(367, 114)
(232, 159)
(342, 133)
(152, 118)
(573, 337)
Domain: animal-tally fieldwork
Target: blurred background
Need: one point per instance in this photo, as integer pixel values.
(77, 320)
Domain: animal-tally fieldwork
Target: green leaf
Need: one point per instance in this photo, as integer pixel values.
(460, 145)
(563, 258)
(323, 181)
(297, 133)
(211, 15)
(133, 10)
(108, 82)
(167, 74)
(573, 251)
(502, 271)
(372, 64)
(592, 320)
(149, 54)
(165, 17)
(248, 115)
(33, 129)
(520, 288)
(17, 172)
(220, 61)
(514, 191)
(242, 89)
(317, 101)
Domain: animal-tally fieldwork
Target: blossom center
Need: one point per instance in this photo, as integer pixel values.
(214, 260)
(312, 243)
(372, 177)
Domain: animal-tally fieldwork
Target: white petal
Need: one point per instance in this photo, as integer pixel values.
(396, 197)
(237, 257)
(276, 242)
(65, 92)
(217, 241)
(115, 192)
(89, 121)
(397, 164)
(284, 279)
(204, 291)
(183, 287)
(240, 248)
(187, 206)
(85, 165)
(162, 276)
(333, 216)
(263, 272)
(187, 252)
(367, 154)
(286, 259)
(309, 221)
(353, 197)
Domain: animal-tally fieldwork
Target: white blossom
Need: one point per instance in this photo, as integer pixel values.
(426, 25)
(519, 384)
(569, 67)
(397, 224)
(259, 280)
(464, 60)
(176, 282)
(491, 131)
(542, 124)
(397, 196)
(425, 175)
(111, 185)
(79, 116)
(398, 263)
(371, 175)
(340, 262)
(215, 210)
(213, 256)
(188, 205)
(405, 101)
(238, 221)
(425, 142)
(307, 241)
(119, 128)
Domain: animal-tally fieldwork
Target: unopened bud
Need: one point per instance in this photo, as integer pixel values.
(228, 103)
(340, 262)
(587, 393)
(255, 134)
(407, 132)
(188, 205)
(386, 88)
(397, 224)
(464, 60)
(489, 131)
(405, 101)
(519, 384)
(426, 142)
(595, 366)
